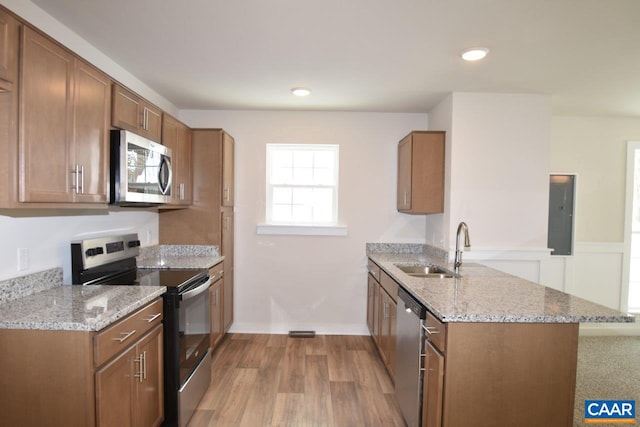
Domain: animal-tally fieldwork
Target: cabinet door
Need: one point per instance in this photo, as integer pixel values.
(227, 169)
(387, 335)
(115, 391)
(130, 112)
(378, 313)
(392, 336)
(421, 162)
(184, 164)
(46, 174)
(432, 389)
(92, 104)
(150, 397)
(151, 122)
(371, 287)
(125, 109)
(177, 137)
(8, 49)
(227, 252)
(216, 301)
(404, 173)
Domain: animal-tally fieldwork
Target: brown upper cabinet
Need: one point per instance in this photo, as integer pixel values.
(9, 29)
(228, 149)
(421, 156)
(131, 112)
(63, 125)
(177, 136)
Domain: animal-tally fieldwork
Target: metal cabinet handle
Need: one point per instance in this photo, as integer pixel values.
(226, 194)
(140, 374)
(181, 191)
(145, 118)
(76, 184)
(142, 367)
(153, 317)
(81, 179)
(144, 364)
(126, 335)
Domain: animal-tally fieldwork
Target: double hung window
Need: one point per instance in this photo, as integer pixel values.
(302, 184)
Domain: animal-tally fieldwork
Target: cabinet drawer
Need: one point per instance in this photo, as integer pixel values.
(389, 285)
(216, 272)
(374, 270)
(125, 332)
(436, 331)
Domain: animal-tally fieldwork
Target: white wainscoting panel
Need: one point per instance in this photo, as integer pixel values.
(524, 263)
(594, 272)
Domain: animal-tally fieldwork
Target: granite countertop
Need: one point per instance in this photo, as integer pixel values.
(179, 256)
(483, 294)
(179, 262)
(76, 308)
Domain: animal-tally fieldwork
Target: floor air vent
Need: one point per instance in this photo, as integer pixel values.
(302, 334)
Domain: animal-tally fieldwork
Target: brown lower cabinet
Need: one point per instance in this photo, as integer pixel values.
(499, 374)
(483, 374)
(112, 377)
(216, 300)
(127, 387)
(382, 314)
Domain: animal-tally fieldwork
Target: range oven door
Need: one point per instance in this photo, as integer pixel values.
(187, 369)
(195, 354)
(194, 328)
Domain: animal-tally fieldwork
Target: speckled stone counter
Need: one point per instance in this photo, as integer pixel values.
(76, 308)
(483, 294)
(178, 256)
(22, 286)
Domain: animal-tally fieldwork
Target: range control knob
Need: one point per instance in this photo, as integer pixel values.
(94, 251)
(133, 243)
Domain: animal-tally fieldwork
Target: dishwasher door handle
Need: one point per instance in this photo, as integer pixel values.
(430, 330)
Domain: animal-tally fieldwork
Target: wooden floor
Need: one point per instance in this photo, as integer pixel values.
(274, 380)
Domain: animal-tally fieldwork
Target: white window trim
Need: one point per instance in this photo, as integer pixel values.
(318, 229)
(301, 230)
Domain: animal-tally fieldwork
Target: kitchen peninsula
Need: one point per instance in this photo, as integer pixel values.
(503, 349)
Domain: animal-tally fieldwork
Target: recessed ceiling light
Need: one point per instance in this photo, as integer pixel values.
(300, 91)
(474, 54)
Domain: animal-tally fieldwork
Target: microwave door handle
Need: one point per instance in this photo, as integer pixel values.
(196, 291)
(165, 163)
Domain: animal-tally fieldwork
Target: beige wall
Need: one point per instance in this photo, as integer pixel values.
(313, 282)
(498, 158)
(595, 148)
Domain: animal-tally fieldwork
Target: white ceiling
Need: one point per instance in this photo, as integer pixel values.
(368, 55)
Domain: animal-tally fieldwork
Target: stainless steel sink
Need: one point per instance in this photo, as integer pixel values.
(431, 271)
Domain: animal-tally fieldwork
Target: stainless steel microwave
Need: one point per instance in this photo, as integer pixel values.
(140, 170)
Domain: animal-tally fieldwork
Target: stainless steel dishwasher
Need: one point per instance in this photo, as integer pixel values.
(409, 359)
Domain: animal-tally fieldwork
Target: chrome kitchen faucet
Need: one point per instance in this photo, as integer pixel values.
(467, 245)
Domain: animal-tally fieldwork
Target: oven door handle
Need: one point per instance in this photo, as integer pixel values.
(196, 291)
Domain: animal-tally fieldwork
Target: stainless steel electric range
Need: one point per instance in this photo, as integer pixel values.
(187, 362)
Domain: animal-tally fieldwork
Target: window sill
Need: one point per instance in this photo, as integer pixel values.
(301, 230)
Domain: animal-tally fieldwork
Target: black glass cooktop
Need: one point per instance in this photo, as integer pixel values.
(169, 278)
